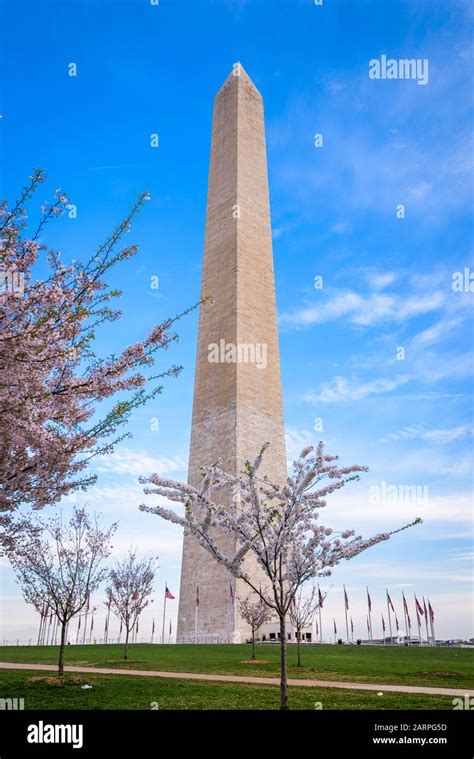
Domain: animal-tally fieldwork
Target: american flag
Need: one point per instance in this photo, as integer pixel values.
(320, 598)
(352, 625)
(383, 623)
(197, 596)
(231, 592)
(405, 607)
(346, 600)
(170, 628)
(431, 612)
(390, 602)
(169, 594)
(335, 628)
(418, 607)
(153, 628)
(369, 601)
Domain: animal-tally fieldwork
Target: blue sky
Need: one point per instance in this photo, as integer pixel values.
(387, 282)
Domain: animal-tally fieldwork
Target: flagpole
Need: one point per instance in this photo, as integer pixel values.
(164, 615)
(107, 619)
(335, 631)
(369, 604)
(195, 623)
(432, 622)
(40, 626)
(85, 621)
(406, 623)
(320, 626)
(389, 617)
(345, 608)
(235, 614)
(417, 617)
(405, 612)
(231, 612)
(426, 622)
(49, 627)
(45, 624)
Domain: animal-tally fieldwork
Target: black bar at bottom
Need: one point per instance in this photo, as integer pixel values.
(140, 734)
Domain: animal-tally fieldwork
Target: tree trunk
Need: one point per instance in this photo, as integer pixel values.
(61, 648)
(283, 666)
(298, 641)
(253, 645)
(125, 656)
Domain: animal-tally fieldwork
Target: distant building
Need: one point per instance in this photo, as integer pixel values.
(270, 632)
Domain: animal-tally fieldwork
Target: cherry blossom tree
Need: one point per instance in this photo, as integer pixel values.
(301, 614)
(51, 380)
(276, 524)
(128, 590)
(255, 613)
(59, 565)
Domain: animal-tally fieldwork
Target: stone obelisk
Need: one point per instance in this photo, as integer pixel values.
(237, 393)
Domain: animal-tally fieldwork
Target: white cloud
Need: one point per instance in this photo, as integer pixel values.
(127, 461)
(380, 280)
(365, 310)
(435, 333)
(296, 440)
(340, 389)
(460, 467)
(442, 436)
(419, 191)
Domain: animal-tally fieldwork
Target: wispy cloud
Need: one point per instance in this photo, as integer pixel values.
(441, 436)
(340, 389)
(364, 310)
(435, 333)
(128, 461)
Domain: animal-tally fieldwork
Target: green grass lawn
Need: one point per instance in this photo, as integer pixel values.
(48, 691)
(444, 667)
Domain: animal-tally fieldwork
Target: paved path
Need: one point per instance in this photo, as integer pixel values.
(241, 679)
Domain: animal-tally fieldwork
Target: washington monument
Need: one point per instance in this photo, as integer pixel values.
(237, 392)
